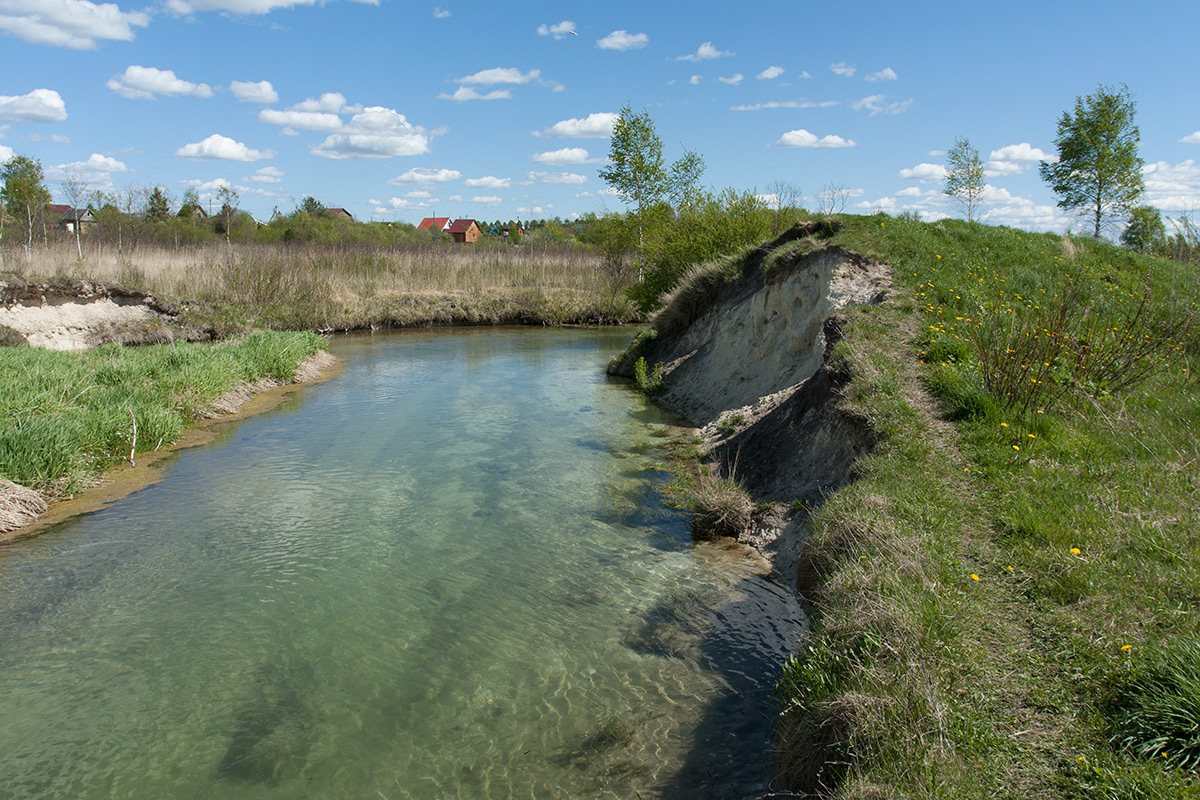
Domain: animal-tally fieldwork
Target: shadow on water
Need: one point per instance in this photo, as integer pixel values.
(274, 727)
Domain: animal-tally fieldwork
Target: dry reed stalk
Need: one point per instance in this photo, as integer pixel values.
(19, 505)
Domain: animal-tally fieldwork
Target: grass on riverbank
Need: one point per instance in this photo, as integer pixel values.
(326, 287)
(1005, 600)
(65, 417)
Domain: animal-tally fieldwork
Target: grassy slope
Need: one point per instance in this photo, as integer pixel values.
(65, 416)
(990, 591)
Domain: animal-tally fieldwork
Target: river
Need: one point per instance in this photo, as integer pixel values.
(447, 573)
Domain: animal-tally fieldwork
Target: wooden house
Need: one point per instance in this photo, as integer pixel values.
(465, 231)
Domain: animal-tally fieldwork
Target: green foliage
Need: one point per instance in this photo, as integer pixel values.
(65, 416)
(635, 169)
(24, 194)
(650, 382)
(1154, 708)
(1145, 231)
(158, 205)
(1099, 171)
(964, 175)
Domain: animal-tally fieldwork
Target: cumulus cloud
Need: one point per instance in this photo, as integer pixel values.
(770, 73)
(923, 172)
(142, 83)
(695, 79)
(593, 126)
(5, 153)
(706, 52)
(843, 69)
(554, 178)
(305, 120)
(328, 103)
(1193, 138)
(491, 77)
(57, 138)
(250, 92)
(96, 171)
(1173, 187)
(885, 74)
(565, 157)
(564, 28)
(487, 200)
(375, 132)
(465, 93)
(1015, 159)
(267, 175)
(623, 40)
(802, 138)
(733, 80)
(785, 104)
(40, 105)
(488, 182)
(877, 104)
(74, 24)
(440, 13)
(241, 6)
(221, 148)
(424, 175)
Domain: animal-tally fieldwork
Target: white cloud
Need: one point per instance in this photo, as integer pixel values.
(5, 153)
(465, 93)
(267, 175)
(786, 104)
(74, 24)
(1021, 152)
(558, 178)
(594, 126)
(915, 191)
(936, 153)
(805, 75)
(328, 103)
(242, 6)
(843, 69)
(440, 13)
(733, 80)
(770, 73)
(419, 194)
(488, 182)
(221, 148)
(885, 74)
(142, 83)
(487, 200)
(802, 138)
(623, 40)
(706, 52)
(305, 120)
(1173, 187)
(490, 77)
(562, 29)
(54, 137)
(97, 171)
(250, 92)
(1193, 138)
(424, 175)
(695, 79)
(923, 172)
(877, 104)
(375, 132)
(40, 105)
(995, 169)
(565, 157)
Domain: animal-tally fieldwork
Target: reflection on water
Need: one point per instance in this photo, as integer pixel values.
(447, 573)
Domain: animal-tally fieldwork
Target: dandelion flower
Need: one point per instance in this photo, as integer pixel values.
(1003, 424)
(1009, 568)
(1015, 447)
(974, 577)
(1075, 551)
(1125, 648)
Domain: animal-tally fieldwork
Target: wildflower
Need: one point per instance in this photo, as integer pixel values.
(1003, 424)
(1015, 447)
(1031, 436)
(974, 577)
(1008, 568)
(1075, 551)
(1125, 648)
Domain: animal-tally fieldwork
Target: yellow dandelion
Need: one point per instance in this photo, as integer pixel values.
(1003, 424)
(1008, 568)
(1075, 551)
(1031, 436)
(974, 577)
(1126, 648)
(1015, 447)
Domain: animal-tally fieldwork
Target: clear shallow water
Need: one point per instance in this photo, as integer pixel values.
(447, 573)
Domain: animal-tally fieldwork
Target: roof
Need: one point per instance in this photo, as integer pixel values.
(337, 211)
(438, 223)
(58, 209)
(75, 214)
(462, 225)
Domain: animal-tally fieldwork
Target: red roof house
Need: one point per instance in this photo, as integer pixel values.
(434, 224)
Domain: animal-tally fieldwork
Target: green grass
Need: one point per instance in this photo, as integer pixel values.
(64, 416)
(1003, 600)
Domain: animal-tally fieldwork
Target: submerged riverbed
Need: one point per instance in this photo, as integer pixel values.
(447, 573)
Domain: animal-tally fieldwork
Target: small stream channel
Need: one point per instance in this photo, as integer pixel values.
(447, 573)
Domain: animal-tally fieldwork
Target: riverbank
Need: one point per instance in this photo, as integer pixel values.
(67, 417)
(980, 487)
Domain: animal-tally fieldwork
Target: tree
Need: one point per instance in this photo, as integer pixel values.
(964, 176)
(1145, 231)
(228, 198)
(158, 205)
(311, 206)
(636, 170)
(1098, 172)
(24, 193)
(75, 189)
(190, 204)
(683, 184)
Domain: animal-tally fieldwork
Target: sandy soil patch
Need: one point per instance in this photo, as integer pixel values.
(74, 325)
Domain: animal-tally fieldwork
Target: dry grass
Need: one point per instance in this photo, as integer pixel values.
(19, 506)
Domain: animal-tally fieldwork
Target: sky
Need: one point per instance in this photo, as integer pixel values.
(401, 109)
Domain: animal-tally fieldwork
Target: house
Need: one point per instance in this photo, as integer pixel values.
(465, 231)
(76, 217)
(338, 213)
(434, 224)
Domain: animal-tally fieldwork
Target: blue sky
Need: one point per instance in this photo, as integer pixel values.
(398, 110)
